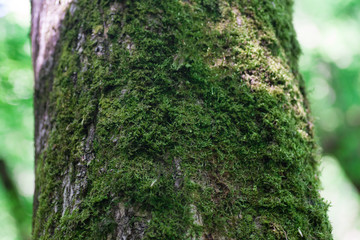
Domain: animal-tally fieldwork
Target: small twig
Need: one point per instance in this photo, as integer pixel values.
(5, 178)
(14, 199)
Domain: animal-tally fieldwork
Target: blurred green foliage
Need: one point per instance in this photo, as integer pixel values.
(16, 129)
(329, 32)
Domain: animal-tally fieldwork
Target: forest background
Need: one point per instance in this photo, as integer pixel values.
(329, 34)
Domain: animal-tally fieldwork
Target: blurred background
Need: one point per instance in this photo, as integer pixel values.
(329, 33)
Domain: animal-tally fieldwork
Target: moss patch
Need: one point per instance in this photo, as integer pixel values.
(184, 118)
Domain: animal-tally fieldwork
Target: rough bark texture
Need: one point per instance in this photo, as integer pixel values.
(172, 120)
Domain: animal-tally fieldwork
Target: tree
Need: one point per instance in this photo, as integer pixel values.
(172, 120)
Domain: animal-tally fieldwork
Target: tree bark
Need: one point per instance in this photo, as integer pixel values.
(172, 120)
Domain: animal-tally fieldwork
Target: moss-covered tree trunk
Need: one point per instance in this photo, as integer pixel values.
(172, 120)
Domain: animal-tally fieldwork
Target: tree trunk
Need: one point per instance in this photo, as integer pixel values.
(172, 120)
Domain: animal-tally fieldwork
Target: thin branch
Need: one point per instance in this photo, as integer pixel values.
(17, 207)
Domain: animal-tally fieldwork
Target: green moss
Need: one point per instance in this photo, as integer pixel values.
(175, 104)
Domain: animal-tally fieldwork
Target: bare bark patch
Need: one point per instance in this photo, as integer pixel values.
(47, 16)
(127, 227)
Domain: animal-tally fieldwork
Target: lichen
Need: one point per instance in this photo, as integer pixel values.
(180, 120)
